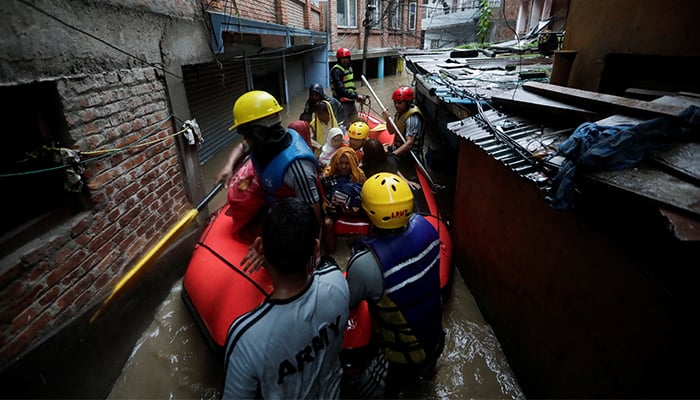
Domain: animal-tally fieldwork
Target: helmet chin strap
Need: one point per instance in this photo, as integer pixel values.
(268, 142)
(272, 135)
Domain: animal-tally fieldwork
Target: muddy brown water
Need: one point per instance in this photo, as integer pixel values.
(171, 359)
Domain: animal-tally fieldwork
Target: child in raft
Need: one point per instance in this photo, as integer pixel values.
(342, 183)
(334, 141)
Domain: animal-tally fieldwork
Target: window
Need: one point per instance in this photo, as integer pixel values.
(374, 11)
(412, 11)
(347, 13)
(395, 15)
(36, 200)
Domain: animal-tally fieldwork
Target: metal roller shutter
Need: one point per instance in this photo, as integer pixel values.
(211, 91)
(267, 75)
(295, 69)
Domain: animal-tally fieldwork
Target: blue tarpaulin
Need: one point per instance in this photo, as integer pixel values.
(593, 147)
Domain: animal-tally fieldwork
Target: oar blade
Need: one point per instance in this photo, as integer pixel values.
(149, 258)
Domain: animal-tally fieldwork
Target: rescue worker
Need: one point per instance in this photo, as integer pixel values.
(284, 164)
(288, 347)
(396, 269)
(410, 121)
(343, 84)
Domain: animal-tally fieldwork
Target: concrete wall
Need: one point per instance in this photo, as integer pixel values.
(116, 69)
(596, 28)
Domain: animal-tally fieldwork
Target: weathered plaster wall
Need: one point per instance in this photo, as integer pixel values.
(37, 46)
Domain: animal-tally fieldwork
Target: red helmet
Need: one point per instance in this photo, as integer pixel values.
(342, 52)
(403, 93)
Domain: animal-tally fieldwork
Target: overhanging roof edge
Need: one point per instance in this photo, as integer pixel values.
(228, 23)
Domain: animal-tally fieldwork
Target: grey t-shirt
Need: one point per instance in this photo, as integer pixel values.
(290, 349)
(365, 278)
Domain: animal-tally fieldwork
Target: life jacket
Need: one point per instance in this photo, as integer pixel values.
(348, 83)
(272, 176)
(408, 317)
(401, 125)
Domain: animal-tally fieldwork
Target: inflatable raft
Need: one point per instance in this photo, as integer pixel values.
(217, 291)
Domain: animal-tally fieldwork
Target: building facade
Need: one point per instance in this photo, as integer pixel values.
(98, 166)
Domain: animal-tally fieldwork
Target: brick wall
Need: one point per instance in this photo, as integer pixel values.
(503, 24)
(259, 11)
(353, 38)
(136, 196)
(303, 14)
(296, 13)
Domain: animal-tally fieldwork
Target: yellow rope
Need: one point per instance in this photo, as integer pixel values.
(156, 141)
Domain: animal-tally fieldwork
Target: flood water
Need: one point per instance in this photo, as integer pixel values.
(171, 359)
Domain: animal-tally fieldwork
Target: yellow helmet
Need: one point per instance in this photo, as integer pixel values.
(358, 130)
(252, 106)
(387, 199)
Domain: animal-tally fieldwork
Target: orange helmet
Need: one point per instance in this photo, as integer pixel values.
(342, 52)
(403, 93)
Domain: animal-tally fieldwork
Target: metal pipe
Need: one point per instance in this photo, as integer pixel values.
(396, 129)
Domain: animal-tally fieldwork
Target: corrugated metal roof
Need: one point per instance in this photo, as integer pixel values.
(467, 83)
(522, 127)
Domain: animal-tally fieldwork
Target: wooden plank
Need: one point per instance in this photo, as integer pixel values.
(654, 185)
(523, 99)
(690, 94)
(682, 160)
(678, 101)
(644, 94)
(605, 103)
(682, 227)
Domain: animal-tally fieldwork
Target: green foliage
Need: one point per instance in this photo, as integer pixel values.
(485, 13)
(474, 46)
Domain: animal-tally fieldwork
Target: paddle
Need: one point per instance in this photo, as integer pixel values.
(396, 129)
(157, 249)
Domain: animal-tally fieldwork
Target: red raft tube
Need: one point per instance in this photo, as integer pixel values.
(217, 291)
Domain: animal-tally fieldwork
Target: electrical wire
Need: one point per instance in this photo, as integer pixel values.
(154, 65)
(100, 154)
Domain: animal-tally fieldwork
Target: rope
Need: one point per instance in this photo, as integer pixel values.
(101, 154)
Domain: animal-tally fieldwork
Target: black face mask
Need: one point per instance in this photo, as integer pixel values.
(267, 142)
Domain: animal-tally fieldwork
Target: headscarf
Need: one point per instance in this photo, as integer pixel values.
(317, 124)
(304, 129)
(355, 171)
(327, 150)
